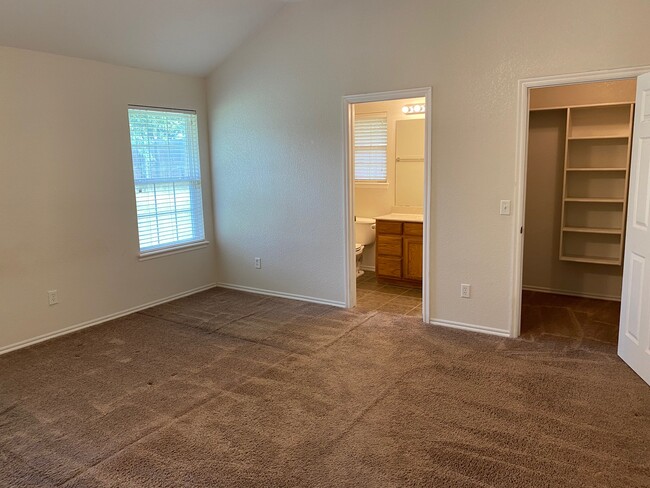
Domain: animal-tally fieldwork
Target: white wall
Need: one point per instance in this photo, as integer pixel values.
(68, 205)
(276, 123)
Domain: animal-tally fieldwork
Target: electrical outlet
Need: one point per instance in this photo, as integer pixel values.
(465, 291)
(258, 263)
(52, 297)
(505, 207)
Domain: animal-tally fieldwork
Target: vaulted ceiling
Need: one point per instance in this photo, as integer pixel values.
(180, 36)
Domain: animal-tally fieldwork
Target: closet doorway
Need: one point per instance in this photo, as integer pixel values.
(606, 164)
(579, 147)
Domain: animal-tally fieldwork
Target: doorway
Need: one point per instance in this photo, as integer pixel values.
(388, 189)
(522, 211)
(579, 147)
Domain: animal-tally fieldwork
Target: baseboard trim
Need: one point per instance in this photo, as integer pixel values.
(569, 293)
(470, 327)
(368, 268)
(279, 294)
(100, 320)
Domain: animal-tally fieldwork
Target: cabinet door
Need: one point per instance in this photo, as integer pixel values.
(389, 267)
(412, 258)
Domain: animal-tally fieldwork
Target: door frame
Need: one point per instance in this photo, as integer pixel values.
(522, 164)
(348, 179)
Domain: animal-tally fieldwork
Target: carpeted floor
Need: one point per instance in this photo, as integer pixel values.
(230, 389)
(549, 315)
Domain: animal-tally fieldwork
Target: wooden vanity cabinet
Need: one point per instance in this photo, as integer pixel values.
(399, 251)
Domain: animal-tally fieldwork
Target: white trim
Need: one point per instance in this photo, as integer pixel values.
(100, 320)
(279, 294)
(470, 327)
(348, 179)
(367, 268)
(520, 167)
(570, 293)
(158, 253)
(350, 278)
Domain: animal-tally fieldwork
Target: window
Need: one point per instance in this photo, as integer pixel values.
(370, 141)
(167, 174)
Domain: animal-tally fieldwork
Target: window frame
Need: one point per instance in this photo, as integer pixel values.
(195, 200)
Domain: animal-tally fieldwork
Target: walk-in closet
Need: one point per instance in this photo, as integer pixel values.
(579, 144)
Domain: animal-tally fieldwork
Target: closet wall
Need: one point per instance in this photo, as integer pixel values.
(543, 270)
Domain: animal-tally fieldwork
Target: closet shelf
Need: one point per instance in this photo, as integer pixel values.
(592, 260)
(607, 169)
(595, 200)
(587, 138)
(596, 165)
(593, 230)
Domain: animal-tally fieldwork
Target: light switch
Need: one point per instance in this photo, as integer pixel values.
(505, 207)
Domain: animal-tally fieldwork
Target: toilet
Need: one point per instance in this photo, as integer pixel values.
(364, 234)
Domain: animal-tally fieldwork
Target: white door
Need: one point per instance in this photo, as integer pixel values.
(634, 333)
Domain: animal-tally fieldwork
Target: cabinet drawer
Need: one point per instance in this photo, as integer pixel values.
(389, 267)
(389, 227)
(389, 245)
(412, 229)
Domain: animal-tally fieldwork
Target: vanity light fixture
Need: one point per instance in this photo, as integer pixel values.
(417, 108)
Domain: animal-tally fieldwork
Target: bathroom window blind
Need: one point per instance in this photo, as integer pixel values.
(167, 175)
(370, 143)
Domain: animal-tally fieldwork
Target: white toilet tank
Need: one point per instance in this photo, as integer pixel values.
(364, 230)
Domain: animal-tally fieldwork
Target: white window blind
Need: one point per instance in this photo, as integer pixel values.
(370, 142)
(167, 174)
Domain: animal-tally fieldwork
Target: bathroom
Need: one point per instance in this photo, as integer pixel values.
(388, 151)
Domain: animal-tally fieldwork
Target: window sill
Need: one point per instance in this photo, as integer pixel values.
(159, 253)
(370, 184)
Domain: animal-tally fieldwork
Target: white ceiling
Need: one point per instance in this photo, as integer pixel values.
(180, 36)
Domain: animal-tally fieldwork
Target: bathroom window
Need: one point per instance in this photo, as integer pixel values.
(370, 144)
(167, 174)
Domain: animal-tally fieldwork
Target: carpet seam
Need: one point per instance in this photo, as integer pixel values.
(376, 401)
(193, 407)
(346, 332)
(213, 396)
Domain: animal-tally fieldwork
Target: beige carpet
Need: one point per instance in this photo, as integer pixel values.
(231, 389)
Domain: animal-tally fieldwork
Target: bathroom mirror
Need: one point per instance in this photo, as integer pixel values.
(409, 163)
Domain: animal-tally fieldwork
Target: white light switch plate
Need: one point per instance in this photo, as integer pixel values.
(505, 207)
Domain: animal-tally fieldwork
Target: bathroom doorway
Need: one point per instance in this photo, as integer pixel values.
(387, 198)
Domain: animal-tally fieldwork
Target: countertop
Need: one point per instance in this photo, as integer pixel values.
(401, 217)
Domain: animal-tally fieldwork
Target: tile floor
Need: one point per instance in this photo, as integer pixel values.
(400, 300)
(547, 314)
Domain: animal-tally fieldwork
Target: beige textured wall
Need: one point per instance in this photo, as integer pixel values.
(277, 138)
(68, 215)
